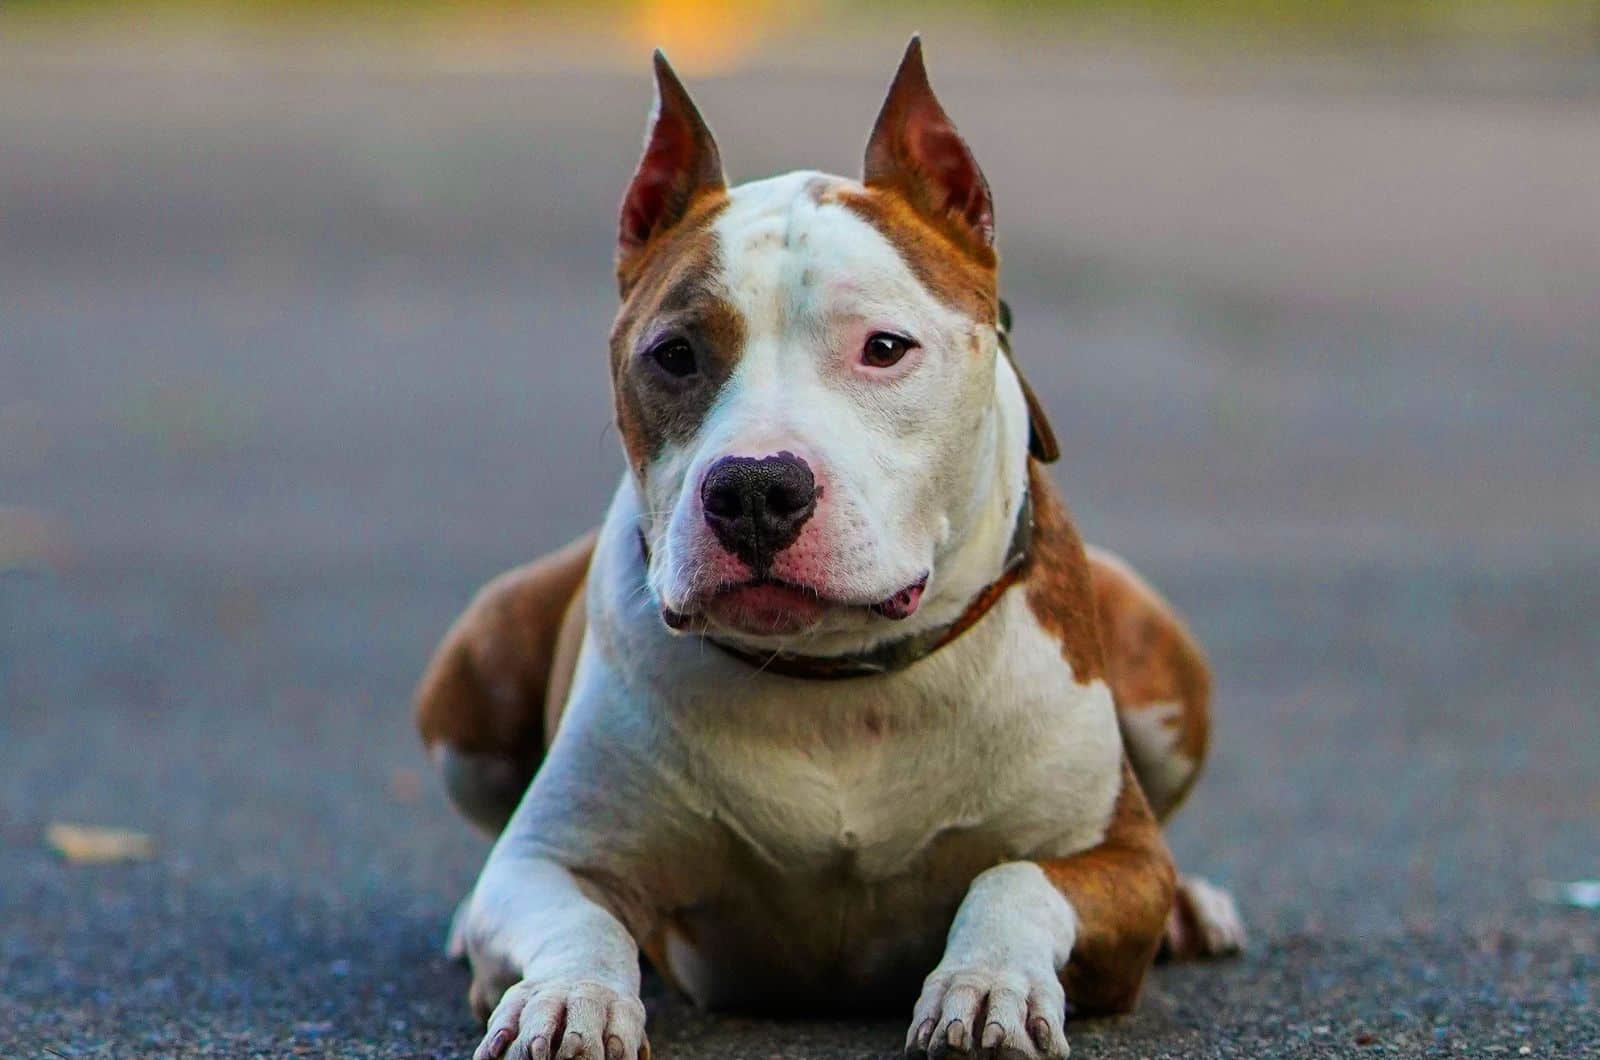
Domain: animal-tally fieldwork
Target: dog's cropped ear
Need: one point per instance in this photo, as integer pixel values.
(915, 150)
(679, 164)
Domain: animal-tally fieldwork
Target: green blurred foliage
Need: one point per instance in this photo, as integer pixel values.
(1569, 24)
(1352, 21)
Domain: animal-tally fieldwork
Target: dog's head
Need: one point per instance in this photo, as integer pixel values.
(805, 375)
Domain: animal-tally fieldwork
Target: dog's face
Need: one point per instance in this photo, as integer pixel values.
(804, 372)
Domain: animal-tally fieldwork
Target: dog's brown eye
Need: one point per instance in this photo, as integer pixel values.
(884, 349)
(674, 356)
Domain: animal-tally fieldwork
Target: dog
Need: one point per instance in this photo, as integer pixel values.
(835, 710)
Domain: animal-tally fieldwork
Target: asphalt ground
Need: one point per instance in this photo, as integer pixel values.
(294, 356)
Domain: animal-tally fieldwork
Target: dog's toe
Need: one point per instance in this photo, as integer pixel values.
(1004, 1014)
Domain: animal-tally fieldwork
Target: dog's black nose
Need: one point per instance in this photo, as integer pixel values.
(756, 507)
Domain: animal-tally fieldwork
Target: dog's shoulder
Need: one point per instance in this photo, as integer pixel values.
(1057, 581)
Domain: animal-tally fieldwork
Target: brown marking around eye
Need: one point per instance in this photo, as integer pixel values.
(960, 274)
(676, 277)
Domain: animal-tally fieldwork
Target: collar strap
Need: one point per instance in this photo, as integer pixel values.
(1041, 438)
(898, 654)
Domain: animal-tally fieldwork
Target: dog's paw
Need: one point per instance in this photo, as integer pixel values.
(565, 1020)
(1204, 922)
(1008, 1013)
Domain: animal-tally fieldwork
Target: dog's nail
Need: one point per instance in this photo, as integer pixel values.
(924, 1034)
(957, 1035)
(1039, 1028)
(614, 1048)
(992, 1035)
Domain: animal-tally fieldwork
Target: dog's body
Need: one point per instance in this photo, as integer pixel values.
(829, 455)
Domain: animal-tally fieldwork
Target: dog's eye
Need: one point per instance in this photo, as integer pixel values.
(884, 349)
(674, 356)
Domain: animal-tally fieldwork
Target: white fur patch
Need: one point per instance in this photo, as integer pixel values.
(1152, 732)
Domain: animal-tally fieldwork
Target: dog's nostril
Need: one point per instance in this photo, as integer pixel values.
(784, 500)
(723, 501)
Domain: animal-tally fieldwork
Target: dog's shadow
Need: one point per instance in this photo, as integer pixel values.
(680, 1031)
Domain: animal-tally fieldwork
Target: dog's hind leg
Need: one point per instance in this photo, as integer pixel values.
(1159, 679)
(1162, 688)
(489, 700)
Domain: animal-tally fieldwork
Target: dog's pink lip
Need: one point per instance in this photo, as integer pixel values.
(766, 607)
(773, 606)
(904, 603)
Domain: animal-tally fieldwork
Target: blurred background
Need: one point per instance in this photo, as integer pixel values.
(302, 319)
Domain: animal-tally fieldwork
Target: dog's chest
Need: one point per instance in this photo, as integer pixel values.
(854, 827)
(872, 803)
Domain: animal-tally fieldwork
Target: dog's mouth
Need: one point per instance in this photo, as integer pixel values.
(771, 607)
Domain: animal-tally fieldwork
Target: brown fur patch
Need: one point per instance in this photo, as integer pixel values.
(654, 259)
(676, 286)
(962, 276)
(915, 151)
(484, 690)
(1057, 579)
(1122, 891)
(1152, 658)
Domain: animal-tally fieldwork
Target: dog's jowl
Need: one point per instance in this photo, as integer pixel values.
(835, 710)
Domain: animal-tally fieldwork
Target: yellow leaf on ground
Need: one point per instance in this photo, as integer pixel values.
(86, 844)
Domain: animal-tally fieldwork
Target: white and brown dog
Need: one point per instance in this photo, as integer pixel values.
(835, 703)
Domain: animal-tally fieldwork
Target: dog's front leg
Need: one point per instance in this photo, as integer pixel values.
(1031, 935)
(565, 970)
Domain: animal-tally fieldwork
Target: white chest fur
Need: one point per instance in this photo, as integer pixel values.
(805, 773)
